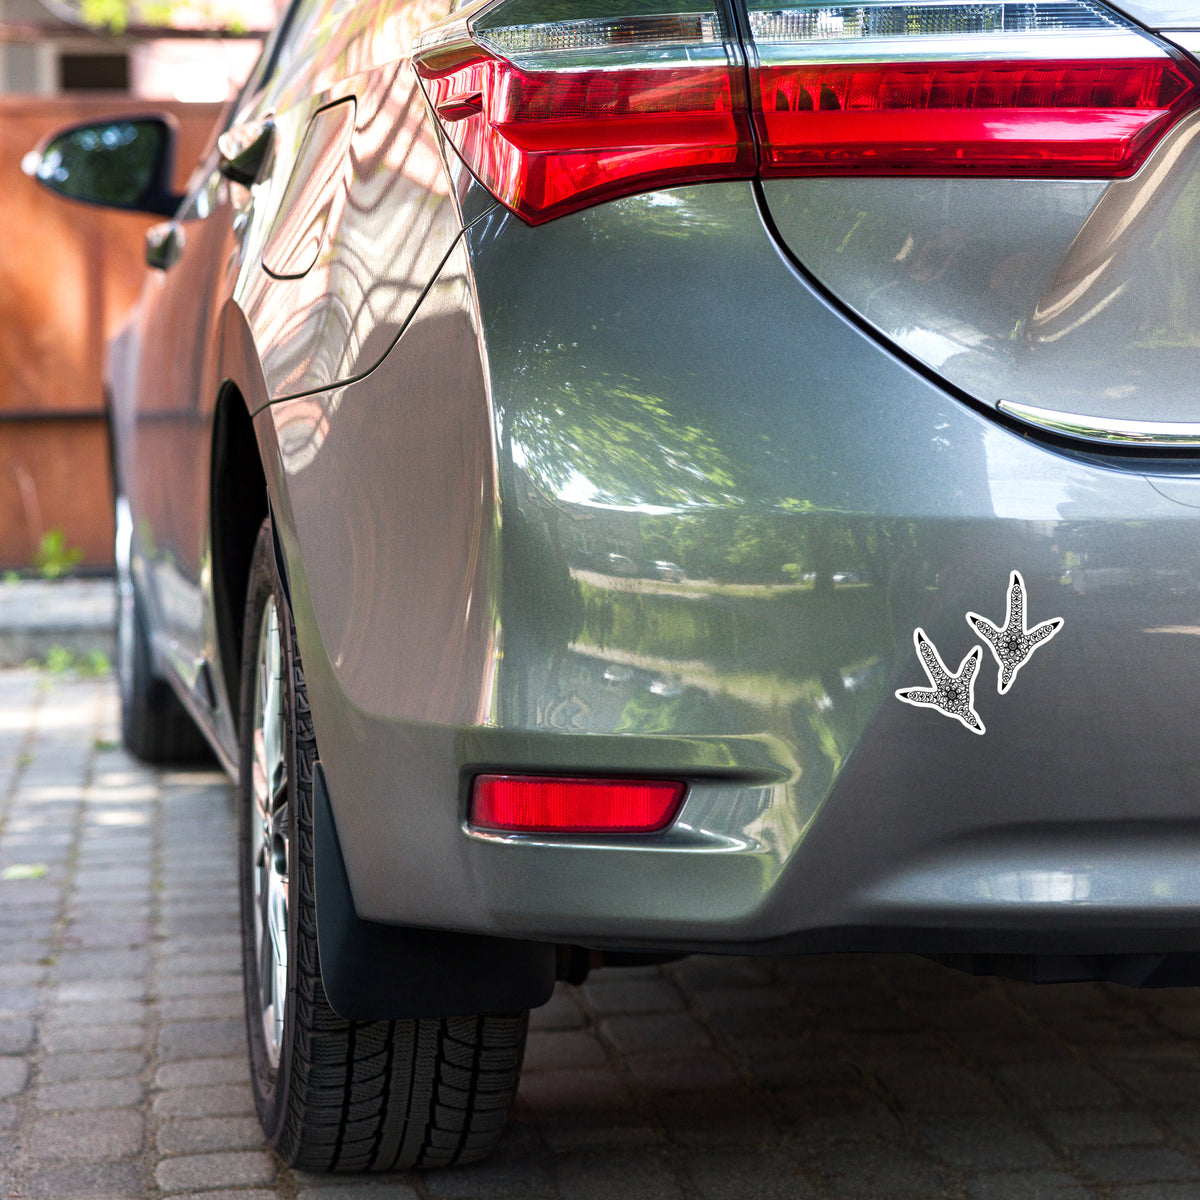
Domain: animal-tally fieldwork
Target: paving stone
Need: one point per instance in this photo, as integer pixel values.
(59, 1039)
(238, 1194)
(197, 1039)
(18, 1000)
(16, 1035)
(99, 991)
(110, 1064)
(225, 1005)
(632, 1177)
(694, 1071)
(563, 1050)
(226, 1169)
(92, 1093)
(203, 964)
(498, 1176)
(200, 985)
(654, 1033)
(1114, 1127)
(788, 1069)
(14, 1074)
(210, 1133)
(762, 1175)
(704, 972)
(340, 1189)
(724, 1118)
(838, 1113)
(921, 1086)
(87, 1181)
(881, 1170)
(226, 1100)
(1155, 1191)
(1059, 1085)
(1138, 1164)
(614, 994)
(91, 1137)
(21, 974)
(103, 964)
(1161, 1085)
(587, 1088)
(112, 1012)
(1026, 1185)
(603, 1130)
(983, 1143)
(203, 1071)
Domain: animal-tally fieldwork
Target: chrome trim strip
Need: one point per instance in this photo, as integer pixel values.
(1097, 46)
(1106, 430)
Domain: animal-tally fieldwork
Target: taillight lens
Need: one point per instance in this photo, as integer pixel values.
(1062, 89)
(542, 804)
(553, 117)
(556, 115)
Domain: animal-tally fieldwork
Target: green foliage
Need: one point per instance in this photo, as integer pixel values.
(59, 660)
(112, 15)
(89, 664)
(53, 557)
(24, 871)
(115, 16)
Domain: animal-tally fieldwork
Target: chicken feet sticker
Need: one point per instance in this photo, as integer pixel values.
(952, 694)
(1013, 642)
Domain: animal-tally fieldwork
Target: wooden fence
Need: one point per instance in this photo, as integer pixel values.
(68, 276)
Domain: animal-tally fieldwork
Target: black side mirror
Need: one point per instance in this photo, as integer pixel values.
(122, 162)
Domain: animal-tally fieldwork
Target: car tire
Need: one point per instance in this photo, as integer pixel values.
(155, 726)
(332, 1094)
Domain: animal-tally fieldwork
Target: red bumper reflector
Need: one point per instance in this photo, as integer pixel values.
(537, 804)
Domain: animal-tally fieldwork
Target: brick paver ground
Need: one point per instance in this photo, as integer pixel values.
(122, 1058)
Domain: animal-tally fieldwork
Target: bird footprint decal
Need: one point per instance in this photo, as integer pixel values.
(952, 694)
(1011, 644)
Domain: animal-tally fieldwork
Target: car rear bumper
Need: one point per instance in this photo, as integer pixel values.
(687, 397)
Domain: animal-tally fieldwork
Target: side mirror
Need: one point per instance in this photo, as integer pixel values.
(123, 162)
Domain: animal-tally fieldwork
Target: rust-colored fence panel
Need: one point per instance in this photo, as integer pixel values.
(68, 275)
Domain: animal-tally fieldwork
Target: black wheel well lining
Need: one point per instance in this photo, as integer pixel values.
(238, 499)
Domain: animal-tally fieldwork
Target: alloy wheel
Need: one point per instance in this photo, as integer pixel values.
(268, 816)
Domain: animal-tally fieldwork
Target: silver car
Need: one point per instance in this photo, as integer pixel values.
(873, 328)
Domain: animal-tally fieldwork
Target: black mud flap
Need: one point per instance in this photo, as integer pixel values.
(375, 972)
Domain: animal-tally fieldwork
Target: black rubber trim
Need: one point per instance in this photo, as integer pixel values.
(375, 972)
(1128, 456)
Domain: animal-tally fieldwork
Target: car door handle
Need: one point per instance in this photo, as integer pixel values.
(164, 245)
(244, 150)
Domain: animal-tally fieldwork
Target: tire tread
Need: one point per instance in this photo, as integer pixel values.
(377, 1095)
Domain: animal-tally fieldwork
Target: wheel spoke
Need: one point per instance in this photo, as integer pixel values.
(268, 817)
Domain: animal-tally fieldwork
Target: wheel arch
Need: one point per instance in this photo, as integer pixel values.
(238, 499)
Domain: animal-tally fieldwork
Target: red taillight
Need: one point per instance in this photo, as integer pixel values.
(984, 118)
(554, 114)
(547, 142)
(537, 804)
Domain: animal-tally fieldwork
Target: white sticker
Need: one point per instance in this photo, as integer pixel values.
(1013, 642)
(951, 693)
